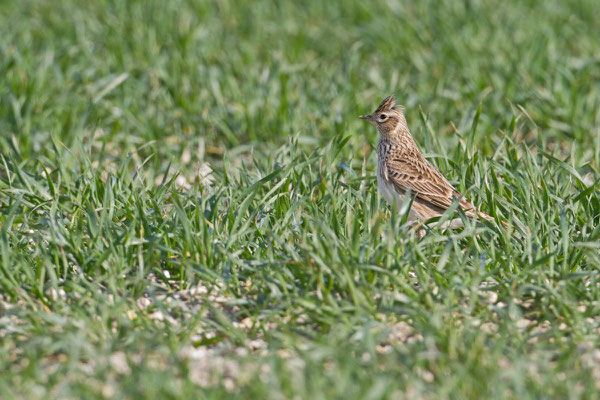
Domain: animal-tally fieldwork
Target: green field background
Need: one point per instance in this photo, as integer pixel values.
(188, 206)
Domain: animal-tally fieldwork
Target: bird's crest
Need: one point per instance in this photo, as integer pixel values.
(389, 103)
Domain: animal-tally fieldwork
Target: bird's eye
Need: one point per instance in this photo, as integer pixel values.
(382, 117)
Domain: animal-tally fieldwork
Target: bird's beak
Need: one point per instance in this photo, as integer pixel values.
(366, 117)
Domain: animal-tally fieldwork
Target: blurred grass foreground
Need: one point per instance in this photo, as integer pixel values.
(188, 206)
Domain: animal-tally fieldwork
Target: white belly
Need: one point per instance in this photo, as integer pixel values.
(390, 195)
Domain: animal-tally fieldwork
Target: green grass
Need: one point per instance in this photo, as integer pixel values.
(188, 206)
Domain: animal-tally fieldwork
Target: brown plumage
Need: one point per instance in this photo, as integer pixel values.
(401, 169)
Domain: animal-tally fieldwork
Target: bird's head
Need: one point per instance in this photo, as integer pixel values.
(388, 117)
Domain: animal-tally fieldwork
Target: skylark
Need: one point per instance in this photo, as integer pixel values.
(402, 170)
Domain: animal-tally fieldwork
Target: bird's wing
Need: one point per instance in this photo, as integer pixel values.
(413, 172)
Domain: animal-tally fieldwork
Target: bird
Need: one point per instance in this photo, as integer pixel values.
(403, 171)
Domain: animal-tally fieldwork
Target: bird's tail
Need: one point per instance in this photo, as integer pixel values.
(483, 215)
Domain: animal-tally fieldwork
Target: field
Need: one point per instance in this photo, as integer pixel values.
(188, 204)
